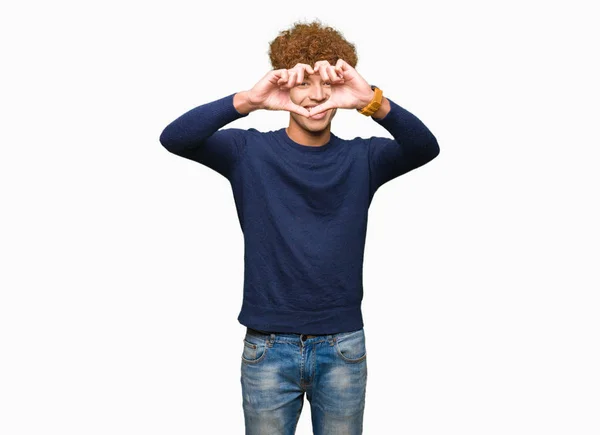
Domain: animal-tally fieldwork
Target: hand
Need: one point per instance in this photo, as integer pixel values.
(272, 92)
(348, 89)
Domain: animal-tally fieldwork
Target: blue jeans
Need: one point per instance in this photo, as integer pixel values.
(278, 368)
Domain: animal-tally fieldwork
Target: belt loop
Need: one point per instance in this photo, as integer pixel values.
(272, 340)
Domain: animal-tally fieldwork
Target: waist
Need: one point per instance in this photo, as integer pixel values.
(286, 333)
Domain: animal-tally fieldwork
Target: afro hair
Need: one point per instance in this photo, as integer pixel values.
(308, 43)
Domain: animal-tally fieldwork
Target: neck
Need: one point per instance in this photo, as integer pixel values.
(307, 137)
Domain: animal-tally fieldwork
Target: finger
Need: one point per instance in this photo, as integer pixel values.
(278, 73)
(321, 68)
(302, 71)
(300, 76)
(320, 63)
(298, 109)
(305, 67)
(331, 76)
(275, 76)
(333, 73)
(291, 80)
(284, 77)
(342, 66)
(322, 108)
(323, 73)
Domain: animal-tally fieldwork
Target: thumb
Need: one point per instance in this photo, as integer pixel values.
(291, 107)
(322, 108)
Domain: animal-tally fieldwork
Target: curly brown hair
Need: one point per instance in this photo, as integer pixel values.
(309, 42)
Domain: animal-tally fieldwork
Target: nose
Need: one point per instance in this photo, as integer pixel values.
(318, 93)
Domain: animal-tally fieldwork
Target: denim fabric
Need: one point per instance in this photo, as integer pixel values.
(278, 368)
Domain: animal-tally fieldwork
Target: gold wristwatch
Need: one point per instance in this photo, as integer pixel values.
(375, 103)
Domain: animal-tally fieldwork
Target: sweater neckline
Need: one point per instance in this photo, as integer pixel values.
(307, 148)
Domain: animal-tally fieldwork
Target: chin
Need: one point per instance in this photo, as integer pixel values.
(315, 125)
(316, 128)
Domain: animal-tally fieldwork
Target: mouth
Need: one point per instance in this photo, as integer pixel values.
(320, 115)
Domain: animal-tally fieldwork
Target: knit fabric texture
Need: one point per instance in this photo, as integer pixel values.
(302, 209)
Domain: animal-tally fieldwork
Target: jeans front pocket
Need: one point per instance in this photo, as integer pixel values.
(255, 349)
(351, 346)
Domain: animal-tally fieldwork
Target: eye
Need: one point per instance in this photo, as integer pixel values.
(327, 83)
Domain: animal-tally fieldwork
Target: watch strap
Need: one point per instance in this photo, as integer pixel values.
(375, 103)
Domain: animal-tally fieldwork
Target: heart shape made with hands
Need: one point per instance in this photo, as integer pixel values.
(348, 89)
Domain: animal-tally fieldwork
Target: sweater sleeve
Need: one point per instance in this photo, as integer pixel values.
(195, 135)
(413, 145)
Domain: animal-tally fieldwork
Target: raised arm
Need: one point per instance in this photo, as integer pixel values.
(412, 146)
(195, 135)
(198, 135)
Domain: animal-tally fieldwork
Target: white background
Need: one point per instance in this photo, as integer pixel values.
(122, 264)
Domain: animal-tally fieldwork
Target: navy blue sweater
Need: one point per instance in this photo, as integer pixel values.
(303, 210)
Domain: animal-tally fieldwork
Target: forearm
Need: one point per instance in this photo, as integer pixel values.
(408, 130)
(383, 110)
(194, 126)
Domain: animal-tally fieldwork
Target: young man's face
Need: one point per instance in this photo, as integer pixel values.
(312, 92)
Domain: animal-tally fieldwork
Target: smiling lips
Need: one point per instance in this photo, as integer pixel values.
(319, 116)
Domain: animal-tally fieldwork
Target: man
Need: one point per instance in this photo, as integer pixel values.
(302, 196)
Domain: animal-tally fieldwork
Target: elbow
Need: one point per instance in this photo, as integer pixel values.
(434, 148)
(167, 139)
(431, 150)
